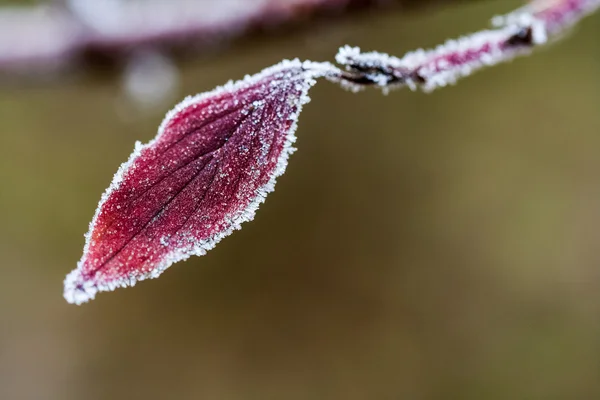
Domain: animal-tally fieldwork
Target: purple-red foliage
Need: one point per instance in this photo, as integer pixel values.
(215, 158)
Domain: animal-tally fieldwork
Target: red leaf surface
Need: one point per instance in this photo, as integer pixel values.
(215, 158)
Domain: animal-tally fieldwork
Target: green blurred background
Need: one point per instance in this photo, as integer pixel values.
(442, 246)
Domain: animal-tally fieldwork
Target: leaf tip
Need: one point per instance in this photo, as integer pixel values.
(78, 290)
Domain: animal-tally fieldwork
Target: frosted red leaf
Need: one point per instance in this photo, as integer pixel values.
(213, 161)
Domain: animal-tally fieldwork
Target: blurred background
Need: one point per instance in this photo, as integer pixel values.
(442, 246)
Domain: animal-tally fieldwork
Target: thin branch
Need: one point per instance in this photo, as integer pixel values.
(516, 34)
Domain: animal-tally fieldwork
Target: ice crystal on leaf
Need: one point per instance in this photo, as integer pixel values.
(215, 158)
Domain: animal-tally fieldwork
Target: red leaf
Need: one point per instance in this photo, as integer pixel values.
(215, 158)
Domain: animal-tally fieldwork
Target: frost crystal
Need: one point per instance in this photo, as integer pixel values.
(215, 158)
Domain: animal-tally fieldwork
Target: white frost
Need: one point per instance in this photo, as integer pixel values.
(78, 291)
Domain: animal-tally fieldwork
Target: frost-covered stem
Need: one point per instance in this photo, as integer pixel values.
(515, 34)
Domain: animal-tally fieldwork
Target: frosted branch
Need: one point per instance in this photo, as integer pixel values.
(515, 34)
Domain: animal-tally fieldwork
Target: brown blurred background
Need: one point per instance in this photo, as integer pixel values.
(442, 246)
